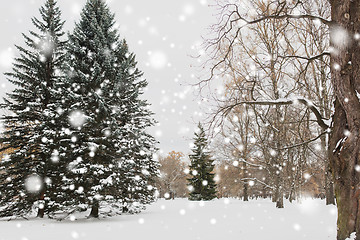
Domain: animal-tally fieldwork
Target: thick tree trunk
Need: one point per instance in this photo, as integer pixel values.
(329, 189)
(344, 142)
(274, 196)
(328, 183)
(344, 157)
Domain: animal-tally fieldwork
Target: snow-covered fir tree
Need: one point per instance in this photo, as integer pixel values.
(27, 173)
(105, 120)
(201, 183)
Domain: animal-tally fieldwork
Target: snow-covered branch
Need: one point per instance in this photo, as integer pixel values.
(319, 119)
(257, 180)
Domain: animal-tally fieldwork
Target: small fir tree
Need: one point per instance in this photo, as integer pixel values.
(201, 183)
(27, 174)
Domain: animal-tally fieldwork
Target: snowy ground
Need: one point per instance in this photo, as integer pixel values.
(180, 219)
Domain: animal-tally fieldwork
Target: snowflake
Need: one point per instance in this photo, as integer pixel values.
(182, 212)
(77, 118)
(189, 9)
(339, 37)
(297, 227)
(6, 58)
(33, 183)
(158, 60)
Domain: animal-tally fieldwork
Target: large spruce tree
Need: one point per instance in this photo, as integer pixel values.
(104, 120)
(201, 184)
(27, 173)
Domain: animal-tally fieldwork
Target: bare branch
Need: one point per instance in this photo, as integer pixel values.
(303, 143)
(307, 58)
(319, 119)
(289, 16)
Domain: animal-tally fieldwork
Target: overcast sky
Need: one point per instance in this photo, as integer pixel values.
(163, 34)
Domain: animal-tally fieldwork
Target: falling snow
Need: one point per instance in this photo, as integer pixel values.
(165, 57)
(158, 59)
(6, 58)
(228, 219)
(33, 183)
(77, 118)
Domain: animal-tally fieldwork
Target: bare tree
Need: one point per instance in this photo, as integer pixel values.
(172, 181)
(344, 53)
(236, 147)
(317, 80)
(250, 79)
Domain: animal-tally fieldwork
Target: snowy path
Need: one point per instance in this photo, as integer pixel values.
(180, 219)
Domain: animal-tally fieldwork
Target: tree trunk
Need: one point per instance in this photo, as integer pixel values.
(94, 210)
(275, 194)
(245, 193)
(41, 211)
(329, 189)
(245, 185)
(329, 184)
(344, 142)
(344, 157)
(279, 192)
(264, 192)
(292, 193)
(125, 208)
(280, 200)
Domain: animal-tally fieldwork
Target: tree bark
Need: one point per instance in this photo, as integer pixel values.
(329, 188)
(245, 184)
(325, 111)
(275, 194)
(280, 200)
(329, 184)
(278, 196)
(264, 192)
(41, 211)
(292, 193)
(345, 178)
(94, 210)
(280, 192)
(344, 140)
(246, 195)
